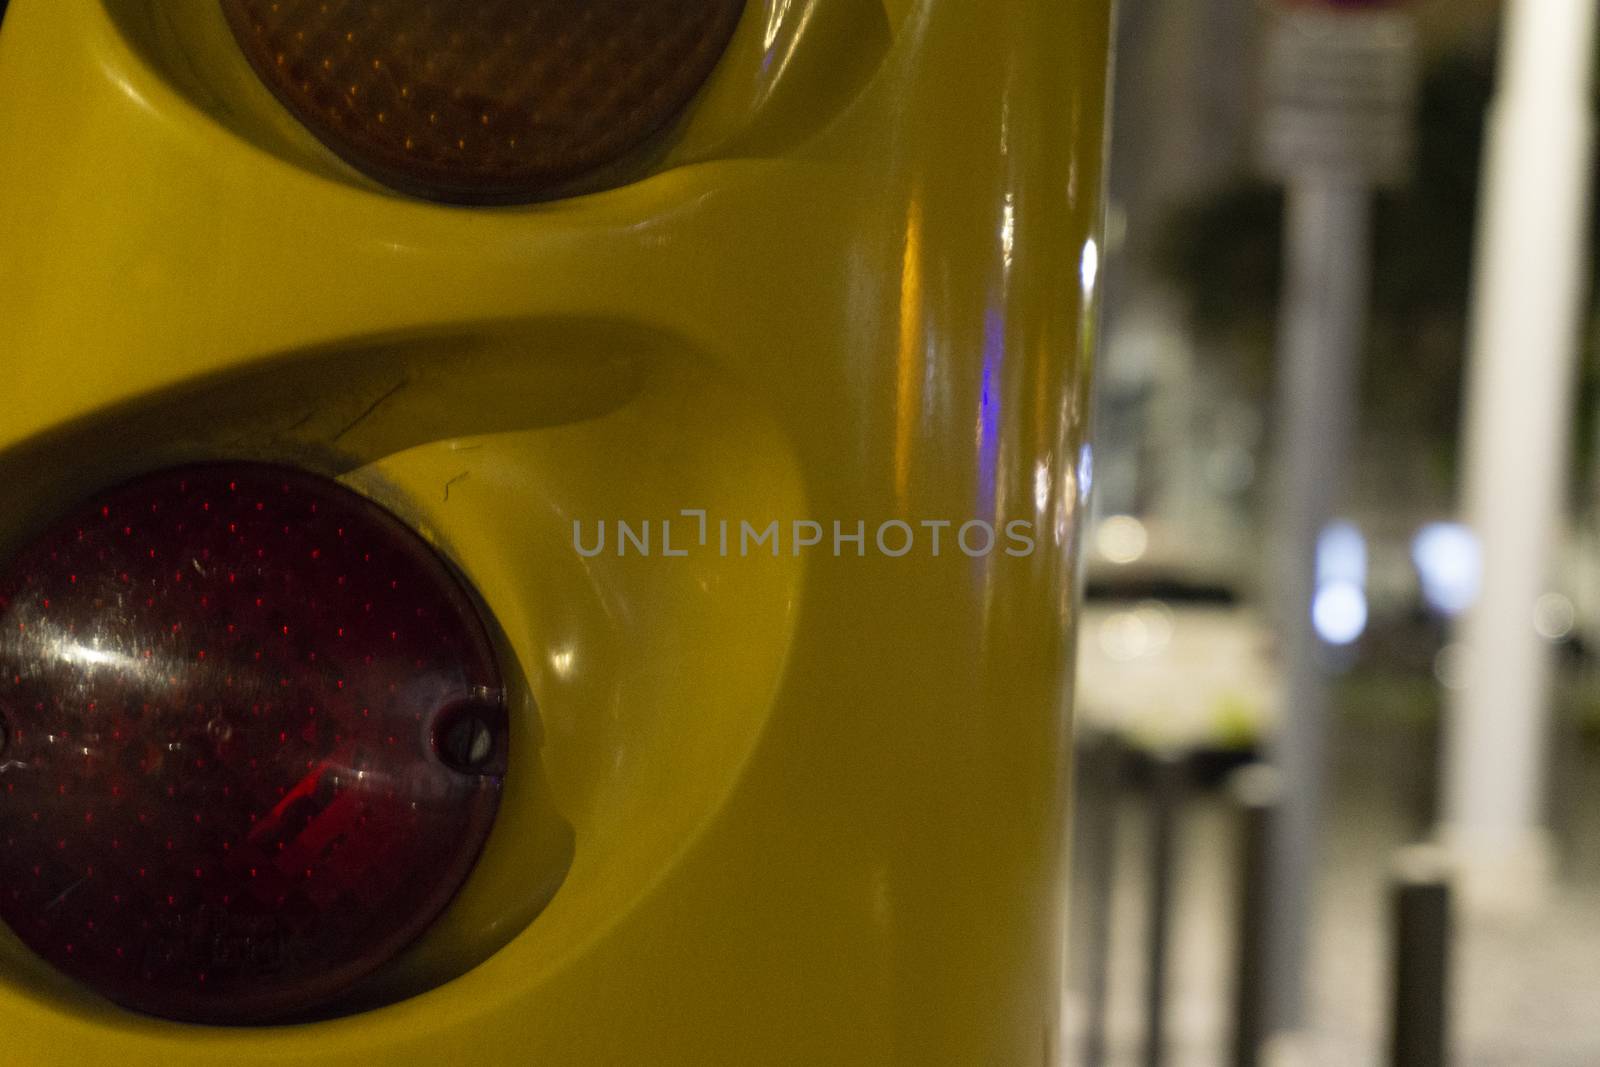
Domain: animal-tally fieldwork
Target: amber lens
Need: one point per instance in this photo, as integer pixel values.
(496, 101)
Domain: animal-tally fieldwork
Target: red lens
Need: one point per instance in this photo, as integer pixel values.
(251, 741)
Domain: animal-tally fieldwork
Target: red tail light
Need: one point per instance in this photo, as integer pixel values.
(251, 740)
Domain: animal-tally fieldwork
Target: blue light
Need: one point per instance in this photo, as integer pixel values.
(1342, 555)
(1339, 612)
(1449, 565)
(994, 351)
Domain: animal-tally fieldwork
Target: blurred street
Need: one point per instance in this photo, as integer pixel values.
(1346, 522)
(1526, 990)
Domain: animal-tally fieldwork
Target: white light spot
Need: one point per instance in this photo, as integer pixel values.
(1145, 630)
(1449, 565)
(1008, 229)
(1339, 612)
(561, 662)
(1554, 616)
(1122, 539)
(1089, 266)
(1342, 555)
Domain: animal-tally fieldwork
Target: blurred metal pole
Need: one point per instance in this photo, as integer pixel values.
(1341, 84)
(1323, 323)
(1531, 259)
(1166, 795)
(1420, 1025)
(1097, 813)
(1255, 792)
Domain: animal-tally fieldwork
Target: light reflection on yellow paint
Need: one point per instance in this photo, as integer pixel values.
(908, 398)
(775, 17)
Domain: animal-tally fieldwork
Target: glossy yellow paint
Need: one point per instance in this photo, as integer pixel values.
(764, 810)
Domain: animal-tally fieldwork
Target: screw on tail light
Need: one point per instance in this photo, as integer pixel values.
(500, 101)
(254, 735)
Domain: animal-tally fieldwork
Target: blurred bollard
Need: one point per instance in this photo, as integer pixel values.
(1097, 814)
(1255, 791)
(1419, 1035)
(1166, 796)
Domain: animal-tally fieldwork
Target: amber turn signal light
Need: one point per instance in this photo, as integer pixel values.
(500, 101)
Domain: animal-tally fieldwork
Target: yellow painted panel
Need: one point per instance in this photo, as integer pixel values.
(792, 809)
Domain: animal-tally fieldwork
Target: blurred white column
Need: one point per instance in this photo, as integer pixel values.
(1531, 261)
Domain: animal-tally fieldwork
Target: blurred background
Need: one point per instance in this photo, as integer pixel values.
(1339, 681)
